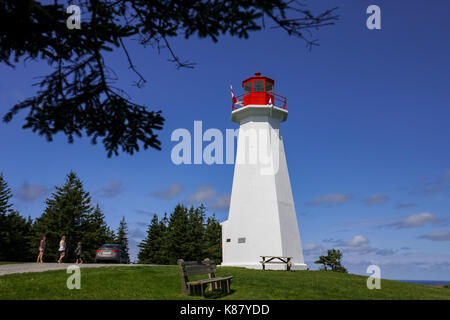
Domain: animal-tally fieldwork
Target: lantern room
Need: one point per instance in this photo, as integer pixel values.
(259, 90)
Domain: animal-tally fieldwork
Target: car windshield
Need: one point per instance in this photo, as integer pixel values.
(111, 246)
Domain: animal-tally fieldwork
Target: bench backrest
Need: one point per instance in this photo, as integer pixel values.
(192, 268)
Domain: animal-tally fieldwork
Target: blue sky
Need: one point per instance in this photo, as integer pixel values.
(367, 138)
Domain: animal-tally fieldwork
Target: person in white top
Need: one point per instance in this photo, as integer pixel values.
(62, 249)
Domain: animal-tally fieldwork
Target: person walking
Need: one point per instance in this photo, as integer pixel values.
(78, 252)
(41, 250)
(62, 249)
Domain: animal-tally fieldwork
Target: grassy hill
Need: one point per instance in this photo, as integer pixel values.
(162, 282)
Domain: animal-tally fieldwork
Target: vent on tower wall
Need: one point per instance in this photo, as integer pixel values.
(241, 240)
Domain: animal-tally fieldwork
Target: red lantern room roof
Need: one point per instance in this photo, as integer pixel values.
(259, 90)
(257, 76)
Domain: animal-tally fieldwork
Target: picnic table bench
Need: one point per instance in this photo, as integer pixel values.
(276, 259)
(197, 287)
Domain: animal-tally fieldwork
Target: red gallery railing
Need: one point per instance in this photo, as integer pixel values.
(270, 99)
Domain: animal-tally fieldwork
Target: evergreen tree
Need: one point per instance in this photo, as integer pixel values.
(332, 260)
(146, 253)
(5, 208)
(122, 237)
(177, 246)
(14, 229)
(195, 233)
(15, 244)
(184, 235)
(212, 240)
(5, 196)
(162, 254)
(65, 215)
(153, 248)
(95, 234)
(323, 261)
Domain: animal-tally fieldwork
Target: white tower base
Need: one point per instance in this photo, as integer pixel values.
(262, 219)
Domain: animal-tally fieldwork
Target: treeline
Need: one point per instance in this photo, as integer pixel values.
(69, 212)
(186, 233)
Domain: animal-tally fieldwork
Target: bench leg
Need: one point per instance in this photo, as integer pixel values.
(189, 290)
(194, 290)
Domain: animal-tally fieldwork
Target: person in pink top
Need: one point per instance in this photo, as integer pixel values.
(41, 250)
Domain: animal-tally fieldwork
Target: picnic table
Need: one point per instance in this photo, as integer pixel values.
(277, 260)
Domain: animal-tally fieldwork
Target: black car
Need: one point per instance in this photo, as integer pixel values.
(111, 253)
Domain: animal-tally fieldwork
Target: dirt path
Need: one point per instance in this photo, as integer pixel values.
(40, 267)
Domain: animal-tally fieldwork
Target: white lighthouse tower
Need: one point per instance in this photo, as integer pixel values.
(262, 219)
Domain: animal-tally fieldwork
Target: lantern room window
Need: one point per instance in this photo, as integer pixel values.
(258, 86)
(269, 87)
(247, 87)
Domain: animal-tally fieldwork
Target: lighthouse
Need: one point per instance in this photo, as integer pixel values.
(262, 219)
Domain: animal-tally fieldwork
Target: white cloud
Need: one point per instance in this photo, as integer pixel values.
(330, 199)
(169, 193)
(145, 212)
(406, 205)
(427, 186)
(443, 235)
(222, 203)
(314, 249)
(201, 195)
(357, 241)
(411, 221)
(384, 252)
(376, 199)
(361, 245)
(112, 189)
(30, 192)
(208, 195)
(417, 220)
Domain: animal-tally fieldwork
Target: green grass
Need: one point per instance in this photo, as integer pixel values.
(164, 283)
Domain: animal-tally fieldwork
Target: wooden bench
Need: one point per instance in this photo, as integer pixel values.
(278, 260)
(197, 288)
